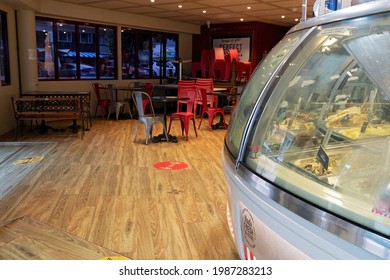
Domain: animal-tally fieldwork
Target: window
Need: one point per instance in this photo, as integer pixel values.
(74, 51)
(88, 58)
(148, 54)
(128, 55)
(107, 49)
(4, 56)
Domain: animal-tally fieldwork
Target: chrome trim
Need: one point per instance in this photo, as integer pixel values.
(360, 10)
(343, 229)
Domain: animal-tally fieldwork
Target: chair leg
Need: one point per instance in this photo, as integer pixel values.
(136, 132)
(149, 132)
(196, 133)
(201, 119)
(165, 132)
(186, 130)
(103, 111)
(182, 125)
(211, 118)
(170, 123)
(129, 105)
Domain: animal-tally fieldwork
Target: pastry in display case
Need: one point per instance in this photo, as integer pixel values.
(307, 152)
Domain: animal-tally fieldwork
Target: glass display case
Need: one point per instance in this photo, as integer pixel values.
(307, 153)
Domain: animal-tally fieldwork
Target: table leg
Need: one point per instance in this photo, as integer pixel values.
(161, 137)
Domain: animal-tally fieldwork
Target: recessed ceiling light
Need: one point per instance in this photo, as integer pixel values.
(204, 12)
(296, 19)
(241, 19)
(152, 1)
(180, 6)
(282, 16)
(249, 7)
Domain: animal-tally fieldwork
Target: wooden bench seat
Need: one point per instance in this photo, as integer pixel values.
(47, 109)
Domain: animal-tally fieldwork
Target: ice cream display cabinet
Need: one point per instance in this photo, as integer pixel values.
(307, 153)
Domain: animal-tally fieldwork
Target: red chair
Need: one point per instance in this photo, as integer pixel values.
(195, 68)
(149, 89)
(210, 111)
(182, 91)
(208, 84)
(205, 63)
(217, 64)
(231, 55)
(99, 89)
(186, 116)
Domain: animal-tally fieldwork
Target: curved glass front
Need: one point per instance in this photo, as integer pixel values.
(323, 130)
(255, 87)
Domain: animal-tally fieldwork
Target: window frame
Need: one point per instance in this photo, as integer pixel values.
(6, 76)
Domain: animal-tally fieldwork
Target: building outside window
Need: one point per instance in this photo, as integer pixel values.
(147, 54)
(74, 51)
(70, 50)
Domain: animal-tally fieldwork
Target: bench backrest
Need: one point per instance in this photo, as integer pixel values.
(42, 105)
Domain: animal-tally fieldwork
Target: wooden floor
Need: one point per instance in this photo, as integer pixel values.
(105, 190)
(25, 239)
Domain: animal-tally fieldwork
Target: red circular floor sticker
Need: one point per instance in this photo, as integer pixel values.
(171, 165)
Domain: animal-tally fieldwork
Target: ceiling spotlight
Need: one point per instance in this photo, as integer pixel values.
(204, 11)
(152, 1)
(241, 19)
(180, 6)
(282, 16)
(249, 7)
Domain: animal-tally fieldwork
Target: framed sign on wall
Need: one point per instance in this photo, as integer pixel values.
(242, 44)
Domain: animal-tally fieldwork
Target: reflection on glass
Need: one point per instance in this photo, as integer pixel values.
(88, 60)
(66, 42)
(45, 50)
(144, 55)
(157, 56)
(128, 54)
(107, 53)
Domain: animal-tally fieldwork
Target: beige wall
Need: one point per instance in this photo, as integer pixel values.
(7, 121)
(56, 9)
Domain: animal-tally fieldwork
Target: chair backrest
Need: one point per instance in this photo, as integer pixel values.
(110, 91)
(192, 94)
(138, 96)
(233, 54)
(230, 56)
(218, 54)
(149, 88)
(202, 95)
(98, 89)
(183, 86)
(206, 83)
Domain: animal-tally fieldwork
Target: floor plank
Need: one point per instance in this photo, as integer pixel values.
(26, 239)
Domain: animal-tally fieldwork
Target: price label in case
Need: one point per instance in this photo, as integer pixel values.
(364, 127)
(323, 158)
